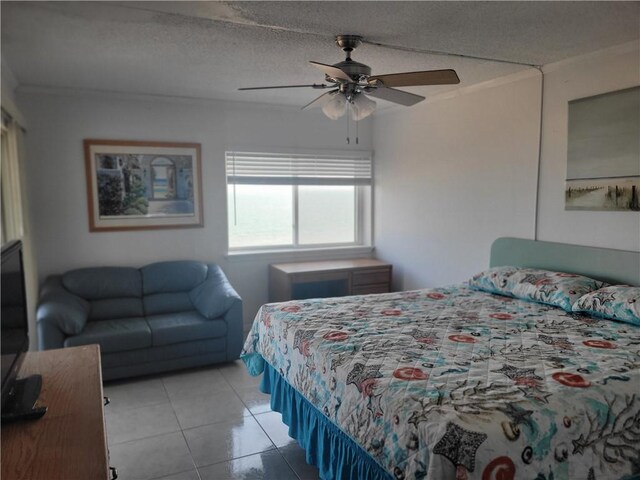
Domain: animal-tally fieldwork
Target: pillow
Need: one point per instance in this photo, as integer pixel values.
(551, 288)
(618, 302)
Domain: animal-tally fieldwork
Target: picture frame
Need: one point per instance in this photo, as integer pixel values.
(603, 152)
(140, 185)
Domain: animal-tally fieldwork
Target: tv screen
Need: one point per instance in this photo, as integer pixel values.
(13, 322)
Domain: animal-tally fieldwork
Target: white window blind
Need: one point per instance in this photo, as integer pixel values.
(251, 168)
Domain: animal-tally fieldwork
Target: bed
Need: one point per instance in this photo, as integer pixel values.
(456, 383)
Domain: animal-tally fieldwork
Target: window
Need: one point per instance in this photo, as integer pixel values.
(298, 201)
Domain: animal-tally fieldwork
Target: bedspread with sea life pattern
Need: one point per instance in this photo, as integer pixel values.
(453, 383)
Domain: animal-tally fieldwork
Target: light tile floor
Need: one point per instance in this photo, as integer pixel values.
(204, 424)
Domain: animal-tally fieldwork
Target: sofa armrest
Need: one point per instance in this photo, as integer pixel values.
(214, 297)
(59, 313)
(235, 333)
(49, 336)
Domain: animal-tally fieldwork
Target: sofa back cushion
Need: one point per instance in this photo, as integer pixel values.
(160, 303)
(172, 277)
(166, 286)
(101, 283)
(123, 292)
(112, 292)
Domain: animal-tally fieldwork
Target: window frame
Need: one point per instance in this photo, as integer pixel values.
(363, 208)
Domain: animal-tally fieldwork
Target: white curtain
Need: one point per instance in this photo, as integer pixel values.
(11, 195)
(14, 209)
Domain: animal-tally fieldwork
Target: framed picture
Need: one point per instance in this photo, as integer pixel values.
(143, 185)
(603, 154)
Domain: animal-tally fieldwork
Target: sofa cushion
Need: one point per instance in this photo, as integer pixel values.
(114, 308)
(103, 282)
(160, 303)
(180, 276)
(184, 327)
(114, 335)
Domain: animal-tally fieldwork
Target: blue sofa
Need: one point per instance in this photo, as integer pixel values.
(164, 316)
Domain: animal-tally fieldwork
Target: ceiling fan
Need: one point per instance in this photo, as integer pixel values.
(351, 84)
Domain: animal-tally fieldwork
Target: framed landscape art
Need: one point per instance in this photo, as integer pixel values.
(135, 185)
(603, 155)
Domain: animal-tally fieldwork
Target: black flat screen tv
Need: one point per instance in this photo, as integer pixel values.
(14, 324)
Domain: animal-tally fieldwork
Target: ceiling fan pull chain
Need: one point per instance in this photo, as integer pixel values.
(357, 123)
(347, 115)
(235, 205)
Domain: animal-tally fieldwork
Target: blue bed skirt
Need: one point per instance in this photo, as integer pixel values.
(335, 454)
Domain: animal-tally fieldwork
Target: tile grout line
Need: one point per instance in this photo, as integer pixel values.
(220, 392)
(291, 466)
(265, 432)
(261, 427)
(106, 388)
(208, 424)
(175, 473)
(193, 462)
(239, 458)
(236, 389)
(146, 437)
(143, 438)
(277, 448)
(162, 434)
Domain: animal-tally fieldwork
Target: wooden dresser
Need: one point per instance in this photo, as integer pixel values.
(70, 441)
(332, 278)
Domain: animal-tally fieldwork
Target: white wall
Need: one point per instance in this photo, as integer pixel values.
(57, 189)
(452, 176)
(8, 85)
(602, 72)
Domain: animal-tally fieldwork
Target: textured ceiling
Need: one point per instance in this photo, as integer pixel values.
(209, 49)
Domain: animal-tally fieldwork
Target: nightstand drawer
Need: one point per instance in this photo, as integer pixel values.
(370, 277)
(369, 289)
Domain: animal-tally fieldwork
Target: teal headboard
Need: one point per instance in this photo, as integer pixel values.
(613, 266)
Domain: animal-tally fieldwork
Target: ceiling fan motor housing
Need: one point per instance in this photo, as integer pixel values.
(352, 68)
(348, 42)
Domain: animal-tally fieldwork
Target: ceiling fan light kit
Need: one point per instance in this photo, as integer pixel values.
(335, 106)
(361, 107)
(352, 83)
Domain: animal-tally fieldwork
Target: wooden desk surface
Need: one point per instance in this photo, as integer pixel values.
(329, 265)
(69, 442)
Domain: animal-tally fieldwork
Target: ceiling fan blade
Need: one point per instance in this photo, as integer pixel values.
(315, 85)
(318, 100)
(412, 79)
(396, 96)
(332, 71)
